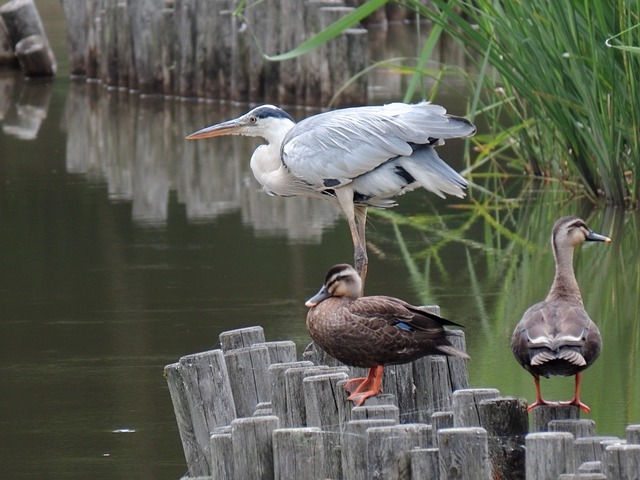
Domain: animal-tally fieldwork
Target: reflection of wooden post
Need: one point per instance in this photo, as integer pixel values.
(7, 86)
(31, 109)
(23, 22)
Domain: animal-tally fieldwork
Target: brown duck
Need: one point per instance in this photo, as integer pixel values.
(556, 336)
(373, 331)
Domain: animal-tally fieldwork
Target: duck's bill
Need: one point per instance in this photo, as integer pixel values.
(323, 294)
(596, 237)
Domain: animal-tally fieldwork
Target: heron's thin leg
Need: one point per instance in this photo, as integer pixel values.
(353, 213)
(361, 223)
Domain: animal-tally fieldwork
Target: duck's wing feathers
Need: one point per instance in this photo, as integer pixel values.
(556, 331)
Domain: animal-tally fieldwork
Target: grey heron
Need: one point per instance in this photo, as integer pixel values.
(556, 336)
(356, 157)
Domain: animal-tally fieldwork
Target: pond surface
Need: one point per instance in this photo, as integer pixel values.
(125, 247)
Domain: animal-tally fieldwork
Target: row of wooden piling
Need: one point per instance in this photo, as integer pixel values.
(252, 410)
(215, 49)
(23, 40)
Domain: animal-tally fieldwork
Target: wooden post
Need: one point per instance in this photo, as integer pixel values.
(590, 467)
(280, 352)
(388, 452)
(433, 384)
(33, 57)
(543, 414)
(22, 20)
(298, 453)
(398, 380)
(253, 447)
(197, 461)
(506, 421)
(279, 401)
(590, 449)
(210, 399)
(578, 428)
(146, 25)
(241, 337)
(221, 446)
(7, 53)
(127, 77)
(464, 454)
(549, 454)
(249, 377)
(622, 462)
(633, 434)
(458, 370)
(77, 17)
(439, 421)
(424, 463)
(354, 447)
(466, 403)
(321, 398)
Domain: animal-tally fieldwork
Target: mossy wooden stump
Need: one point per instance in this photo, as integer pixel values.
(251, 409)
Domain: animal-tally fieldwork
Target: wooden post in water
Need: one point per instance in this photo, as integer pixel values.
(355, 447)
(466, 405)
(549, 454)
(590, 449)
(424, 463)
(279, 401)
(7, 53)
(388, 452)
(249, 377)
(27, 36)
(241, 337)
(633, 434)
(543, 414)
(578, 428)
(202, 400)
(622, 462)
(253, 447)
(464, 454)
(298, 453)
(221, 446)
(506, 421)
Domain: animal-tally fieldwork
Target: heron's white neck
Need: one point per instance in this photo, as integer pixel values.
(266, 161)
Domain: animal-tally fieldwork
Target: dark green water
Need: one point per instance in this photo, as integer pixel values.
(123, 247)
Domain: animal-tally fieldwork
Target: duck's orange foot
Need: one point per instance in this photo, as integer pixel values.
(578, 404)
(352, 385)
(359, 397)
(539, 402)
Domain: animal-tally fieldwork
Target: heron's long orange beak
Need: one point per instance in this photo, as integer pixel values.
(229, 127)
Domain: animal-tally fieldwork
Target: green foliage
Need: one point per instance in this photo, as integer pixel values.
(565, 74)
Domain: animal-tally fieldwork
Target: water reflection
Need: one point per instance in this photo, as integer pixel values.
(137, 146)
(24, 104)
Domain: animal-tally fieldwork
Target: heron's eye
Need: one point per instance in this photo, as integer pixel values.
(253, 119)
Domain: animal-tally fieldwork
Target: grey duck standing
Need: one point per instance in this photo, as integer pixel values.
(372, 331)
(556, 336)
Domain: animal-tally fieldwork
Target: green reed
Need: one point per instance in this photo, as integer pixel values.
(563, 81)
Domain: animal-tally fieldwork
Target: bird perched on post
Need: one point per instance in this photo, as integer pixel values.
(355, 157)
(372, 331)
(556, 336)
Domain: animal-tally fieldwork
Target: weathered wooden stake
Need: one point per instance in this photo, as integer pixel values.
(578, 428)
(279, 401)
(388, 452)
(354, 447)
(464, 454)
(590, 449)
(298, 453)
(241, 337)
(543, 414)
(249, 377)
(253, 447)
(506, 421)
(622, 462)
(549, 454)
(424, 463)
(221, 446)
(633, 434)
(465, 405)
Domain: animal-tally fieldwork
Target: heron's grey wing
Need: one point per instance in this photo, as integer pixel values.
(331, 149)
